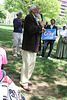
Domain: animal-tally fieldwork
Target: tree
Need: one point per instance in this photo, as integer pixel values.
(2, 12)
(15, 5)
(62, 20)
(50, 8)
(2, 15)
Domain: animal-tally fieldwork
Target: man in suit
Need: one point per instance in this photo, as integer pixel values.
(45, 28)
(51, 42)
(30, 46)
(46, 25)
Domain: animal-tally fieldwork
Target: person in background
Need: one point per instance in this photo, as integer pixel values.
(61, 51)
(45, 28)
(46, 25)
(47, 42)
(30, 46)
(17, 33)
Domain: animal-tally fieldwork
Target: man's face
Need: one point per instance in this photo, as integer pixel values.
(38, 11)
(64, 27)
(52, 22)
(46, 23)
(20, 15)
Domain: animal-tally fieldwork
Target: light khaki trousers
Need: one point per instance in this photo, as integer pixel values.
(28, 59)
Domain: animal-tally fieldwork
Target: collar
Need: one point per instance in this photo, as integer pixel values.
(52, 26)
(37, 20)
(34, 16)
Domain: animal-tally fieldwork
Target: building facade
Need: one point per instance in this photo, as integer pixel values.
(63, 7)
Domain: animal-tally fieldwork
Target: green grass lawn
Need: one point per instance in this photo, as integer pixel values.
(49, 77)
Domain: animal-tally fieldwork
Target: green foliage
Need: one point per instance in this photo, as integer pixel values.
(2, 12)
(50, 8)
(62, 20)
(2, 15)
(59, 20)
(14, 5)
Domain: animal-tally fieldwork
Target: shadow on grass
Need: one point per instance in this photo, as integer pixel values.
(6, 35)
(46, 68)
(13, 68)
(55, 92)
(34, 98)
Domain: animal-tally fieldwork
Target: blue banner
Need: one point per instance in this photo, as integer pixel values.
(49, 34)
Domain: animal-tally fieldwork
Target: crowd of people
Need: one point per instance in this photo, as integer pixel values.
(29, 43)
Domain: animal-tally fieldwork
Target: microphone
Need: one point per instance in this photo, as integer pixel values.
(42, 20)
(41, 17)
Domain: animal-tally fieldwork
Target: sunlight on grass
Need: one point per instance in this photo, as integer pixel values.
(3, 27)
(52, 72)
(8, 27)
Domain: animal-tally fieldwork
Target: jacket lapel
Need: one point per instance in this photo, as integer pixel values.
(34, 20)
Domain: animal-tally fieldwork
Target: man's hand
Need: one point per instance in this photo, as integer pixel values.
(55, 37)
(22, 20)
(43, 30)
(42, 23)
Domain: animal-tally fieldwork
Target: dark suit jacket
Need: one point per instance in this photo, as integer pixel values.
(54, 27)
(46, 27)
(32, 34)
